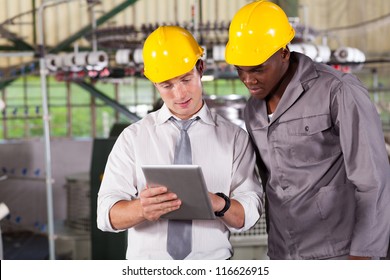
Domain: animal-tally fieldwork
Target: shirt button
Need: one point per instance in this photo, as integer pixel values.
(306, 128)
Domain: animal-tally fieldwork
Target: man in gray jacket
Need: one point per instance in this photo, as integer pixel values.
(319, 142)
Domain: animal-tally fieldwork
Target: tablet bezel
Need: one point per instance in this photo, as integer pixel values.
(188, 183)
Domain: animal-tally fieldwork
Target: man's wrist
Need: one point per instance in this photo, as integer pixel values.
(225, 208)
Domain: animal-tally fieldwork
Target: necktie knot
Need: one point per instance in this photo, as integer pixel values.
(183, 124)
(183, 145)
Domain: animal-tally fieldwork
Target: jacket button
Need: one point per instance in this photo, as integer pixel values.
(306, 128)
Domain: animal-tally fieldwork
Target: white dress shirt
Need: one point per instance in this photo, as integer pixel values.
(227, 159)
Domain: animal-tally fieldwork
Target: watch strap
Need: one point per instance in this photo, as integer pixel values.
(227, 205)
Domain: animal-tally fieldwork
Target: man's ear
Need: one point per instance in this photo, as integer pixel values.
(200, 67)
(285, 53)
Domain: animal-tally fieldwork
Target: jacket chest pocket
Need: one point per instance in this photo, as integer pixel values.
(312, 139)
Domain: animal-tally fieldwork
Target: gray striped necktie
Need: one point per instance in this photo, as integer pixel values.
(179, 240)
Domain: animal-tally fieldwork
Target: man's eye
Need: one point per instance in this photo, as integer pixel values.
(259, 70)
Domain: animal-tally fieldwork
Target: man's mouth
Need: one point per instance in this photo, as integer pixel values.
(184, 103)
(253, 89)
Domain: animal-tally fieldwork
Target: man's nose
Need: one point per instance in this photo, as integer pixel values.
(248, 78)
(179, 90)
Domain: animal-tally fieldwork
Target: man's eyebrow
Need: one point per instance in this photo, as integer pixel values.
(253, 68)
(163, 83)
(187, 75)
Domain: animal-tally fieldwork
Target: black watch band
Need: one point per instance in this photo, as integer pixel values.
(227, 205)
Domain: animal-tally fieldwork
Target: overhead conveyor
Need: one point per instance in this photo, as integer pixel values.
(20, 45)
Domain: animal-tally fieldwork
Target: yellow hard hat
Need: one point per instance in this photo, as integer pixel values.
(257, 31)
(168, 52)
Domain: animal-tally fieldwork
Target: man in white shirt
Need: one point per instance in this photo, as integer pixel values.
(223, 150)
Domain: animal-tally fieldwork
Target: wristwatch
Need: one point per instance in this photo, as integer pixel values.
(227, 205)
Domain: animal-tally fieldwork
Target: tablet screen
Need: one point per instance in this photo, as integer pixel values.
(188, 183)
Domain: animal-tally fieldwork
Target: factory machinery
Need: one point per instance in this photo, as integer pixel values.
(116, 54)
(121, 52)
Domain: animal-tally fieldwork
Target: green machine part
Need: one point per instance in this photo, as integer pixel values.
(105, 245)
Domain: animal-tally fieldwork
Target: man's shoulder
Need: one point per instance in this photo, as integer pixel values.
(147, 121)
(234, 125)
(321, 73)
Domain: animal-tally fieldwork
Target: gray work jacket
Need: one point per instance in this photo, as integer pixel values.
(324, 167)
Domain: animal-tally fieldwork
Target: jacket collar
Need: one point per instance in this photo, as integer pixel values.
(305, 72)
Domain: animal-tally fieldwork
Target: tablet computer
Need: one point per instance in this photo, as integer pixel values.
(188, 183)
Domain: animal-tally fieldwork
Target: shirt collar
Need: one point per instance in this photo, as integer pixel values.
(204, 114)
